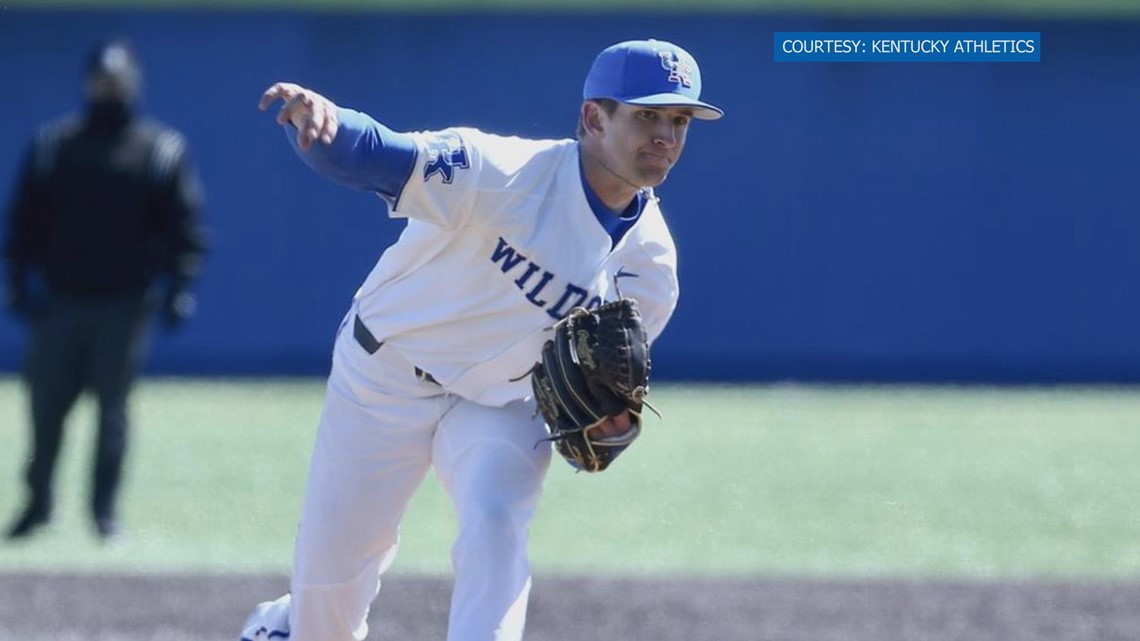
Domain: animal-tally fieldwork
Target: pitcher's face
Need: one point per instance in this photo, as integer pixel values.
(643, 143)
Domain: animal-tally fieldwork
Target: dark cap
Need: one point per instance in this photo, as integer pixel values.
(113, 58)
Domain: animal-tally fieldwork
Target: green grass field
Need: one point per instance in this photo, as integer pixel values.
(773, 480)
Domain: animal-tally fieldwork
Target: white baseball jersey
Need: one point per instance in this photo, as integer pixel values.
(500, 244)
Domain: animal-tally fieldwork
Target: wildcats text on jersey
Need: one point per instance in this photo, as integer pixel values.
(536, 286)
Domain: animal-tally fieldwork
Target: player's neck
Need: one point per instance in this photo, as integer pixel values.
(613, 189)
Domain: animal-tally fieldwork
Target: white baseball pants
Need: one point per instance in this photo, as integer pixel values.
(380, 431)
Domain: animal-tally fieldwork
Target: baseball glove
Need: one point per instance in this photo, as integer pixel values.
(596, 366)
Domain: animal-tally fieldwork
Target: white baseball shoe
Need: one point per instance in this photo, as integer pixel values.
(269, 621)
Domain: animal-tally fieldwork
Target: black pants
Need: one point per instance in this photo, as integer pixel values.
(78, 345)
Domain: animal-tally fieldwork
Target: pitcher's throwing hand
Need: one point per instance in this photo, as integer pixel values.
(313, 115)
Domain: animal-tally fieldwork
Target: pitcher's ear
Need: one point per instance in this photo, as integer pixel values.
(592, 117)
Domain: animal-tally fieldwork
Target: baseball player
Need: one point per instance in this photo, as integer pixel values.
(504, 236)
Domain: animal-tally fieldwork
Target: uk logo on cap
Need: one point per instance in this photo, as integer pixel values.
(678, 70)
(649, 73)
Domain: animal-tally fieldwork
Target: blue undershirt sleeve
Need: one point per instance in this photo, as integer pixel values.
(365, 155)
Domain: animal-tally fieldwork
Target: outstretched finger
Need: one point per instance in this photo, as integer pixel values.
(324, 123)
(313, 122)
(296, 103)
(332, 123)
(280, 90)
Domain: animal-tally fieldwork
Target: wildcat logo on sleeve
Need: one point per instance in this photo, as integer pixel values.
(678, 70)
(446, 153)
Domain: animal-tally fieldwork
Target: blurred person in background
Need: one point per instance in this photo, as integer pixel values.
(102, 237)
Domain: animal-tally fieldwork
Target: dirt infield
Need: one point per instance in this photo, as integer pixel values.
(157, 608)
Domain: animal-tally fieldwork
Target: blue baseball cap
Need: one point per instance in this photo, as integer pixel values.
(650, 73)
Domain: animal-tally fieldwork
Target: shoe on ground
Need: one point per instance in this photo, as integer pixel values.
(108, 529)
(30, 521)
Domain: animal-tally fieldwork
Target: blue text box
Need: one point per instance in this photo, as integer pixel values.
(907, 46)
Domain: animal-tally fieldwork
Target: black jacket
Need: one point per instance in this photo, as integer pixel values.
(102, 208)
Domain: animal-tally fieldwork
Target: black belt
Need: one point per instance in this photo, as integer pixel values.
(365, 339)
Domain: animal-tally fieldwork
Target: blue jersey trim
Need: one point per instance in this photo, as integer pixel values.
(365, 155)
(615, 223)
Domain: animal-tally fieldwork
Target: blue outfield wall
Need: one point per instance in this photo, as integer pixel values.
(867, 222)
